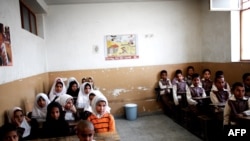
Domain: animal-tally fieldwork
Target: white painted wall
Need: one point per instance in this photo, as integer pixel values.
(28, 50)
(216, 35)
(183, 31)
(73, 30)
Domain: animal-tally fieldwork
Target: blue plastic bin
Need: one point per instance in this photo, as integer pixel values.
(131, 111)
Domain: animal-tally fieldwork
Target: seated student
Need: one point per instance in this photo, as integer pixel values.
(164, 83)
(175, 79)
(196, 90)
(91, 81)
(83, 96)
(39, 110)
(55, 124)
(220, 73)
(165, 92)
(180, 90)
(18, 118)
(84, 80)
(236, 105)
(58, 88)
(85, 130)
(73, 88)
(102, 120)
(246, 83)
(221, 95)
(206, 81)
(66, 101)
(88, 109)
(9, 132)
(188, 77)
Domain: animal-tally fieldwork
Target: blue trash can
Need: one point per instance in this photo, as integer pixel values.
(131, 111)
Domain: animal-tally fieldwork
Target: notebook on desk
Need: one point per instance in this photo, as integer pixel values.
(246, 113)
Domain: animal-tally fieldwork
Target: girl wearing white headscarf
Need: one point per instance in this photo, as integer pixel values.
(66, 101)
(21, 121)
(57, 89)
(102, 120)
(73, 88)
(70, 80)
(92, 94)
(83, 95)
(39, 111)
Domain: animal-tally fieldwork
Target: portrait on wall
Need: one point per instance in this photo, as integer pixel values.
(5, 46)
(121, 47)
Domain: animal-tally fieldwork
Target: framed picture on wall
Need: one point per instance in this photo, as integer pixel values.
(5, 46)
(121, 47)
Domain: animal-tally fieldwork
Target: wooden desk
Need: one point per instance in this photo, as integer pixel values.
(200, 98)
(183, 101)
(72, 123)
(244, 121)
(109, 136)
(218, 104)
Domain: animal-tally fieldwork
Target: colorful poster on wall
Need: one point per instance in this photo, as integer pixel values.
(5, 46)
(121, 47)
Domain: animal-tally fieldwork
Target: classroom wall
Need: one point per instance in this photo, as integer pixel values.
(22, 92)
(120, 85)
(28, 50)
(216, 34)
(73, 30)
(175, 25)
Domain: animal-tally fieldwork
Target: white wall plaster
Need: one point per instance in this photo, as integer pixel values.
(142, 88)
(117, 92)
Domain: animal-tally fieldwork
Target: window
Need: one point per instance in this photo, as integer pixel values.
(240, 26)
(224, 5)
(28, 19)
(245, 30)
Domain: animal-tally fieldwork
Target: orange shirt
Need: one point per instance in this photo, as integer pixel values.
(104, 124)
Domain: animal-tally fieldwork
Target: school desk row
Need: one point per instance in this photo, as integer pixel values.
(208, 125)
(108, 136)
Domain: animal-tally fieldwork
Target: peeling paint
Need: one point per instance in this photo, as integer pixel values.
(142, 88)
(150, 99)
(117, 92)
(64, 78)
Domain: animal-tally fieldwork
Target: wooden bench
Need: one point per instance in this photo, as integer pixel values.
(211, 127)
(114, 136)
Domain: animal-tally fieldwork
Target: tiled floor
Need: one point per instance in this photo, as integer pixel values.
(157, 127)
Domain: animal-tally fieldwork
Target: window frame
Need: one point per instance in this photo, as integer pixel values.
(30, 22)
(241, 38)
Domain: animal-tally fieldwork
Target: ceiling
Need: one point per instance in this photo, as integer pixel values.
(58, 2)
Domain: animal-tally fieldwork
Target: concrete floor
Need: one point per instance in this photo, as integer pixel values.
(157, 127)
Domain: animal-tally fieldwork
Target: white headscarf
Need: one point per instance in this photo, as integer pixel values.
(88, 107)
(95, 101)
(62, 100)
(24, 123)
(70, 80)
(83, 98)
(53, 93)
(37, 111)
